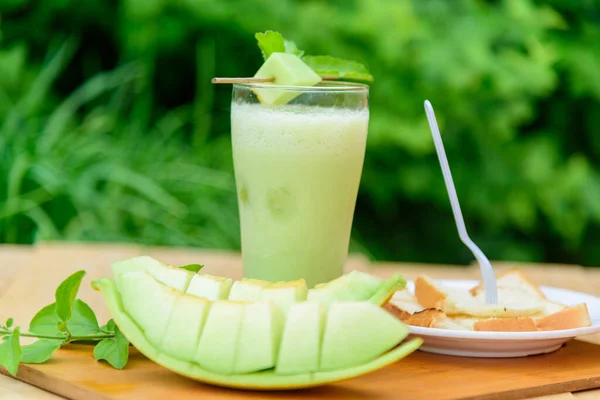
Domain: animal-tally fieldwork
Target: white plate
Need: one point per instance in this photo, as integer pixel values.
(506, 344)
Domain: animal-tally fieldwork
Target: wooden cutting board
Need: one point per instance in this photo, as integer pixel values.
(73, 373)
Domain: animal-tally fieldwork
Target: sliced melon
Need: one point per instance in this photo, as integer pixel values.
(210, 287)
(217, 347)
(259, 338)
(300, 349)
(247, 289)
(284, 294)
(265, 380)
(149, 303)
(176, 278)
(356, 333)
(353, 286)
(185, 326)
(289, 70)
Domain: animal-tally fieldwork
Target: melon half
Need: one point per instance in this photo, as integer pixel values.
(253, 344)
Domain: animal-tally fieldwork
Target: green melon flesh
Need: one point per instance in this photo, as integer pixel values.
(259, 337)
(210, 287)
(173, 277)
(387, 290)
(284, 294)
(217, 347)
(185, 325)
(353, 286)
(356, 333)
(300, 349)
(289, 70)
(149, 303)
(247, 290)
(265, 380)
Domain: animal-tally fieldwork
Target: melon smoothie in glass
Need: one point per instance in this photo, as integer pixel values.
(297, 170)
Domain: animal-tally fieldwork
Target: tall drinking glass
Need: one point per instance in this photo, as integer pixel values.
(297, 172)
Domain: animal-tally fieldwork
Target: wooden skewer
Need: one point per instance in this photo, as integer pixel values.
(242, 80)
(260, 80)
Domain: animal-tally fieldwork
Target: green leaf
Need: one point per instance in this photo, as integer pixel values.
(65, 295)
(327, 65)
(270, 42)
(290, 47)
(192, 267)
(9, 322)
(10, 352)
(83, 321)
(40, 351)
(115, 351)
(45, 322)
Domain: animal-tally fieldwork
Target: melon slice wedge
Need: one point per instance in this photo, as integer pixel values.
(288, 70)
(176, 278)
(263, 380)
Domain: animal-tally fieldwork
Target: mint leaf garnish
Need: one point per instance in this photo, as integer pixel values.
(115, 350)
(83, 321)
(65, 321)
(192, 267)
(10, 352)
(40, 351)
(65, 296)
(327, 65)
(46, 322)
(270, 42)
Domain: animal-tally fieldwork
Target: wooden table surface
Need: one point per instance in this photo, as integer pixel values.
(30, 274)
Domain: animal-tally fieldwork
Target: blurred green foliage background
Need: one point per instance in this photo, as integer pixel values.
(111, 131)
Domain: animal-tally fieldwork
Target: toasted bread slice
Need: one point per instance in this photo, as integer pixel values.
(568, 318)
(515, 324)
(454, 301)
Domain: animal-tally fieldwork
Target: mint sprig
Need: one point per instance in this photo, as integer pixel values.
(67, 320)
(273, 42)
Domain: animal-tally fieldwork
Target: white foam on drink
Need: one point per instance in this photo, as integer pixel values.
(298, 128)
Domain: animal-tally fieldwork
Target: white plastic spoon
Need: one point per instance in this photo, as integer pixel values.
(487, 272)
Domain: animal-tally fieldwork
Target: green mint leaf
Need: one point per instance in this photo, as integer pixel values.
(327, 65)
(270, 42)
(192, 267)
(65, 295)
(290, 47)
(83, 321)
(40, 351)
(110, 326)
(10, 352)
(45, 322)
(9, 322)
(115, 351)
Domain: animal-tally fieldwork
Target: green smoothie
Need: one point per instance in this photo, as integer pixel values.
(297, 171)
